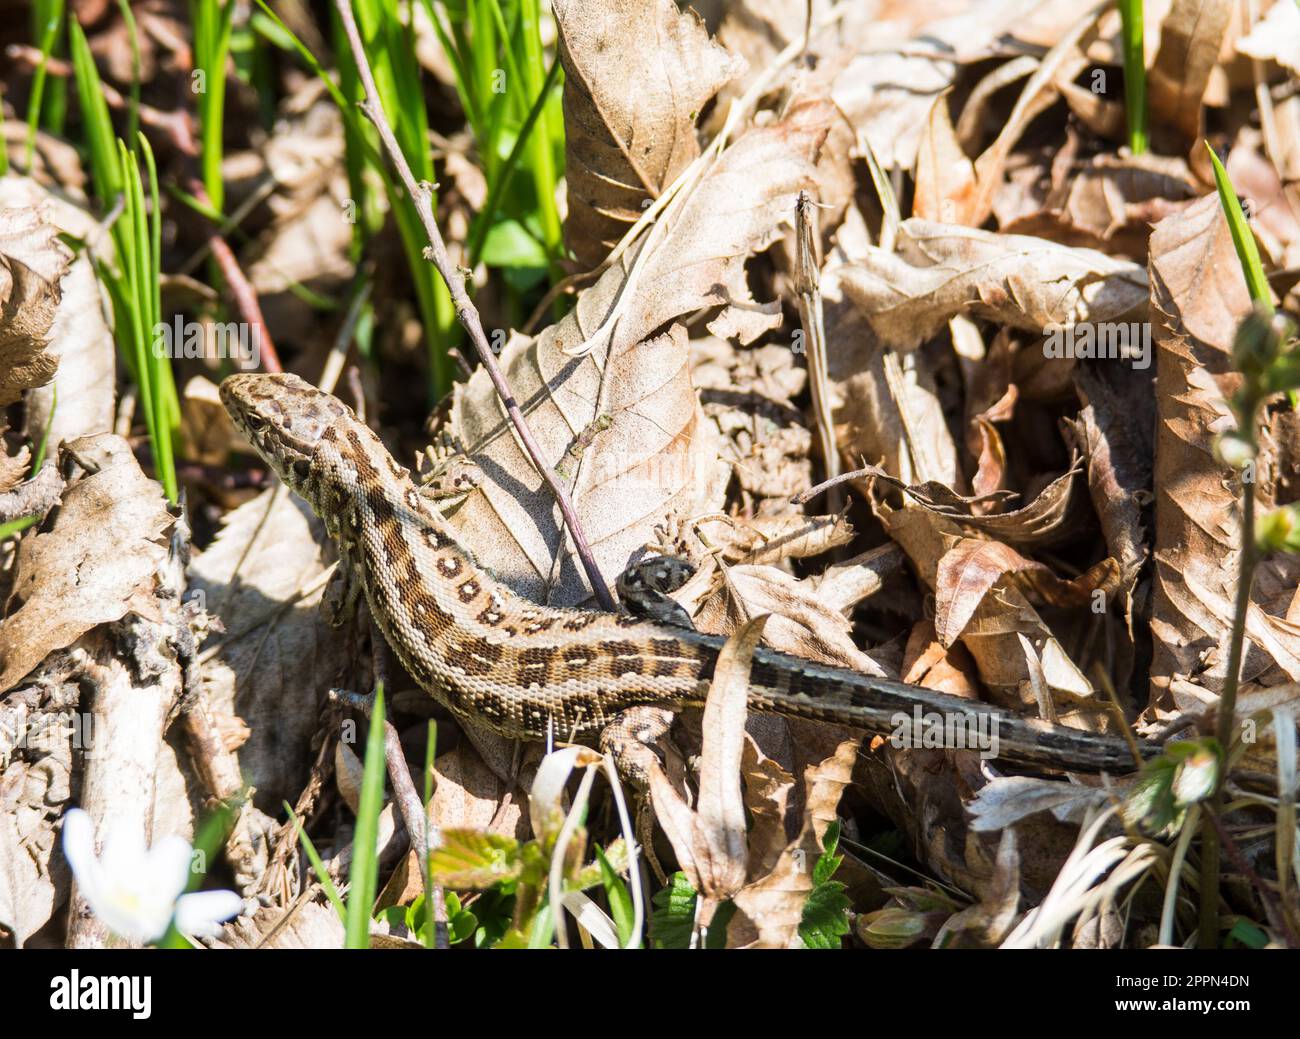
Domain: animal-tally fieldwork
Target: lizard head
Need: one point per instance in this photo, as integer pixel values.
(284, 418)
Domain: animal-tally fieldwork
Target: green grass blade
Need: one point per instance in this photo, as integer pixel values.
(542, 145)
(104, 167)
(1135, 75)
(430, 754)
(49, 33)
(364, 875)
(317, 864)
(620, 901)
(133, 108)
(1243, 239)
(213, 24)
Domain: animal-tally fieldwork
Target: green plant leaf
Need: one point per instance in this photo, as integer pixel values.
(470, 859)
(508, 244)
(673, 917)
(825, 917)
(620, 901)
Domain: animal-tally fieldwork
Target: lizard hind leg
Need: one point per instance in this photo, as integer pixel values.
(630, 739)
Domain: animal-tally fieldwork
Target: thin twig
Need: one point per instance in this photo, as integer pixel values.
(806, 276)
(408, 801)
(1227, 708)
(466, 312)
(1266, 892)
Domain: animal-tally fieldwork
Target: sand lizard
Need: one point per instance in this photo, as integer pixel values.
(529, 671)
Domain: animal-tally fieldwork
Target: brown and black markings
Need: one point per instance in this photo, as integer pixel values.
(474, 656)
(625, 657)
(535, 666)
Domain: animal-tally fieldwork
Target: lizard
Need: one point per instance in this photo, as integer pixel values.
(529, 671)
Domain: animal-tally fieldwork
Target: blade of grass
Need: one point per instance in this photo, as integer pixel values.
(541, 146)
(55, 106)
(53, 19)
(397, 78)
(1243, 239)
(429, 937)
(317, 864)
(213, 22)
(1135, 75)
(133, 106)
(364, 874)
(104, 169)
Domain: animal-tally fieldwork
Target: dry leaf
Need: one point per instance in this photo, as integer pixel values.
(970, 569)
(1040, 522)
(801, 623)
(80, 342)
(770, 539)
(93, 566)
(1110, 204)
(650, 459)
(1198, 297)
(469, 795)
(32, 264)
(264, 577)
(993, 635)
(709, 840)
(1115, 430)
(989, 921)
(1190, 38)
(887, 405)
(1275, 37)
(945, 177)
(637, 74)
(928, 662)
(770, 906)
(1030, 283)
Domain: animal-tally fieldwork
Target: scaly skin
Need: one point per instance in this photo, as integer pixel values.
(526, 670)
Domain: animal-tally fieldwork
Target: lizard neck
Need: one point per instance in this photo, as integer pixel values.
(417, 575)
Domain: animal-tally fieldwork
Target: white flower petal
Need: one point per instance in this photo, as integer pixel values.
(124, 853)
(79, 849)
(167, 867)
(202, 912)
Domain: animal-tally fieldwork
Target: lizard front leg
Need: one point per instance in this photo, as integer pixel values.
(339, 603)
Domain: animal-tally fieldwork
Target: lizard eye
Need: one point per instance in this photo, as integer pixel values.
(255, 422)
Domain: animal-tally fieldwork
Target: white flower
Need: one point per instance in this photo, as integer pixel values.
(136, 891)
